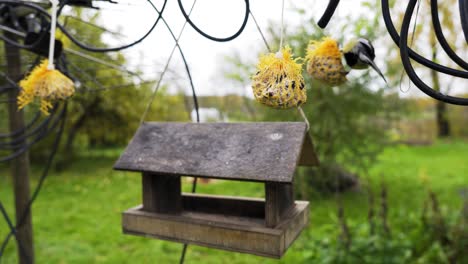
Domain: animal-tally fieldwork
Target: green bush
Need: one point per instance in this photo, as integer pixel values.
(419, 236)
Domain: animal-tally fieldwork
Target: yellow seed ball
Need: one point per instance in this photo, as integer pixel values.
(278, 82)
(324, 62)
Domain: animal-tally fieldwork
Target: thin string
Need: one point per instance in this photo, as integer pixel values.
(260, 31)
(282, 26)
(53, 25)
(102, 62)
(410, 45)
(299, 109)
(158, 84)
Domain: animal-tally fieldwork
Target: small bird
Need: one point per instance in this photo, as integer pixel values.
(360, 54)
(327, 62)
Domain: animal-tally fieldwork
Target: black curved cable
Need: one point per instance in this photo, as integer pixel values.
(43, 133)
(463, 4)
(235, 35)
(404, 53)
(328, 14)
(18, 141)
(412, 54)
(61, 128)
(22, 131)
(441, 38)
(94, 49)
(66, 33)
(189, 75)
(21, 219)
(13, 232)
(42, 34)
(24, 46)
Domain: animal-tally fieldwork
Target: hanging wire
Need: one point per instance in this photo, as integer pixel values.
(405, 56)
(260, 31)
(103, 29)
(299, 108)
(195, 100)
(189, 75)
(102, 62)
(413, 34)
(282, 26)
(303, 115)
(158, 84)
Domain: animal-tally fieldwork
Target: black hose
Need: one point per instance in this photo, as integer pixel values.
(463, 4)
(405, 58)
(42, 34)
(441, 38)
(412, 54)
(328, 14)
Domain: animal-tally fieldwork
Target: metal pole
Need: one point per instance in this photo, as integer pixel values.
(20, 165)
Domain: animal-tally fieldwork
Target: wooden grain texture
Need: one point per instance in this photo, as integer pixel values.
(224, 205)
(161, 193)
(293, 222)
(279, 199)
(237, 151)
(210, 230)
(308, 156)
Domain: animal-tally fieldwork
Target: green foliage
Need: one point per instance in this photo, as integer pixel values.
(412, 241)
(113, 115)
(365, 248)
(349, 122)
(77, 218)
(458, 117)
(108, 104)
(418, 120)
(116, 114)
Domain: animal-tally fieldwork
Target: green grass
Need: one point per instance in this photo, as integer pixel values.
(77, 216)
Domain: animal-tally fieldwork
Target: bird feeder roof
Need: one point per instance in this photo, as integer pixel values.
(263, 152)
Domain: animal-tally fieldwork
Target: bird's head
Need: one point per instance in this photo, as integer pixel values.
(360, 54)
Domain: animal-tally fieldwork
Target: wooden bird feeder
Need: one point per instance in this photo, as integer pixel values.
(258, 152)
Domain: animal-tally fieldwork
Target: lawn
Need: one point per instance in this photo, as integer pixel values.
(77, 216)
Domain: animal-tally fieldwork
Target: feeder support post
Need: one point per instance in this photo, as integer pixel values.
(19, 165)
(162, 193)
(279, 198)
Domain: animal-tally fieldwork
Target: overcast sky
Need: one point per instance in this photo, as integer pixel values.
(132, 18)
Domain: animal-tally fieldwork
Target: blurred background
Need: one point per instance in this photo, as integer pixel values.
(393, 182)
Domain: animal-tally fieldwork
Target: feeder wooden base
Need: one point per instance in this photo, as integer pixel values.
(240, 228)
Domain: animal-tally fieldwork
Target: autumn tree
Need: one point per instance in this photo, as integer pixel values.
(424, 41)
